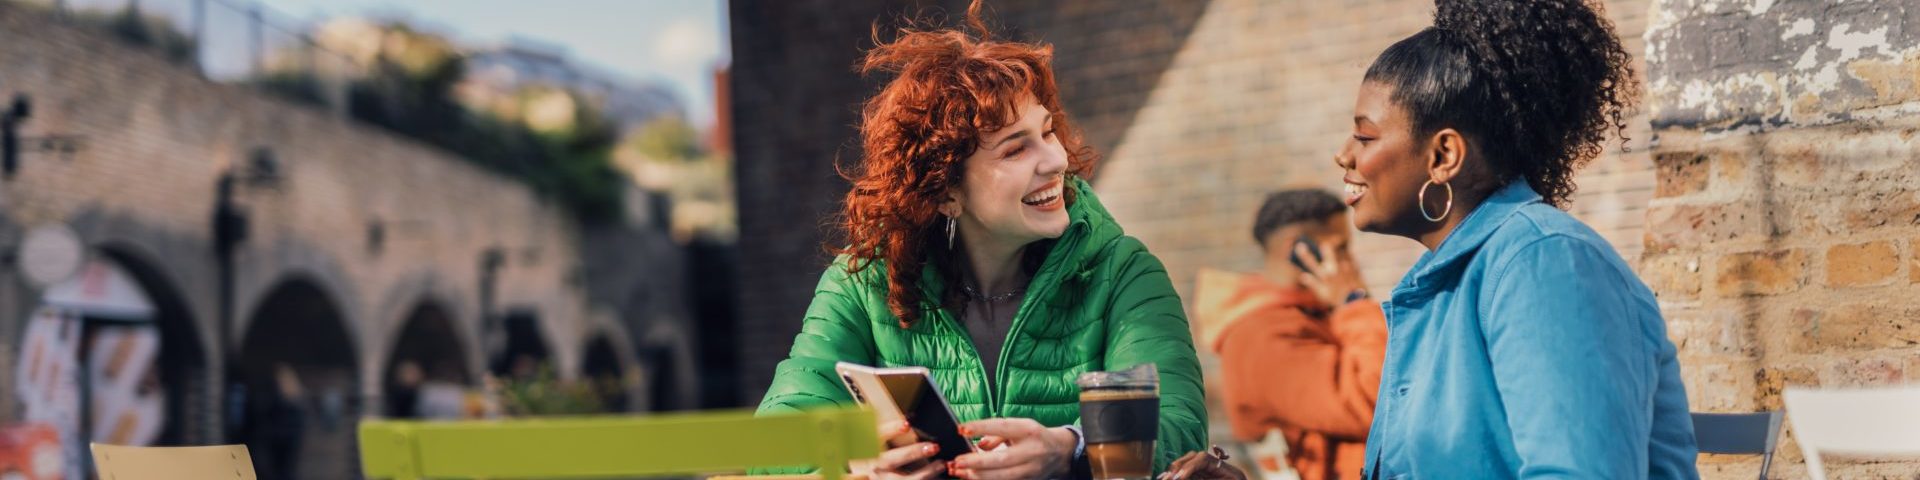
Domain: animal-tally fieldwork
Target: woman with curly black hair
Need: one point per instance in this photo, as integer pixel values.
(1520, 345)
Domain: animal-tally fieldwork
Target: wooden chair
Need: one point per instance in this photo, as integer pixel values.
(1739, 434)
(617, 446)
(221, 462)
(1876, 422)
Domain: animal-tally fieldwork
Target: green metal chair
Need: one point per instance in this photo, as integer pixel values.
(617, 446)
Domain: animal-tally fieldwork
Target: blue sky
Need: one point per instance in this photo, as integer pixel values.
(677, 42)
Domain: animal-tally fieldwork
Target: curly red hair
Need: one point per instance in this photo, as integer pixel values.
(917, 133)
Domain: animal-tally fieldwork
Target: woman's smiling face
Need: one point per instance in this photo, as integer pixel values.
(1385, 165)
(1013, 189)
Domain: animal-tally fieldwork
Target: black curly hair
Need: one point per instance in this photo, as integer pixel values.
(1535, 85)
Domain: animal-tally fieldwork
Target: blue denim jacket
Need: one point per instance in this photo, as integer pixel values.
(1523, 347)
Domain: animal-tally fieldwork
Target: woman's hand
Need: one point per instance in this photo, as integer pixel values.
(1201, 466)
(906, 457)
(1333, 276)
(1031, 450)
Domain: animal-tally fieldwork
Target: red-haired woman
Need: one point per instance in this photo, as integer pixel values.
(976, 250)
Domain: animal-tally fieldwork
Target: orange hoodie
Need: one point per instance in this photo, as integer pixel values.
(1289, 361)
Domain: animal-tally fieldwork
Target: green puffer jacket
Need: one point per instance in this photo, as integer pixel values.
(1098, 302)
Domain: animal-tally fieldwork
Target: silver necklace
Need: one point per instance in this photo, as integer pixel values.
(975, 294)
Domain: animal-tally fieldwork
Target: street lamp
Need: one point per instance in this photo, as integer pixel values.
(10, 133)
(11, 143)
(231, 227)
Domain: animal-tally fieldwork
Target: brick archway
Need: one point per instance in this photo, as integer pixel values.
(299, 376)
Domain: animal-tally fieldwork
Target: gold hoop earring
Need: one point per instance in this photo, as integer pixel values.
(1444, 210)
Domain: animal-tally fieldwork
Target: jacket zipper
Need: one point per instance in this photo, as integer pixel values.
(1000, 370)
(996, 385)
(978, 362)
(1020, 315)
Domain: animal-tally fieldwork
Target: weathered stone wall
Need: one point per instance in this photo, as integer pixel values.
(1782, 239)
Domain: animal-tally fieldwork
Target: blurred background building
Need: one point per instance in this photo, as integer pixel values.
(285, 226)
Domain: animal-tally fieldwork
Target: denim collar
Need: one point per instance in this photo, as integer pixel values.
(1466, 238)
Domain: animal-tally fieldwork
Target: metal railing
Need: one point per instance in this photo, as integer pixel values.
(229, 41)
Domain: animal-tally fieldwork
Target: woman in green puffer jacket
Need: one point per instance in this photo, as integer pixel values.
(976, 250)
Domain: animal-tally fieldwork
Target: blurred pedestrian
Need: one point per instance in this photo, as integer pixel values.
(277, 421)
(1300, 344)
(403, 394)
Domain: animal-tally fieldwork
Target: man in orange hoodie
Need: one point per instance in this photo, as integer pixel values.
(1300, 348)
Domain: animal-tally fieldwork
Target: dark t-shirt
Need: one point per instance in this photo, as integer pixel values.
(988, 324)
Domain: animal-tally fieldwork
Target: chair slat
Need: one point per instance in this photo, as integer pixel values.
(617, 446)
(1876, 422)
(1736, 433)
(222, 462)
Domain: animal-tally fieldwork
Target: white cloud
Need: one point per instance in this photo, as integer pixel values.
(687, 43)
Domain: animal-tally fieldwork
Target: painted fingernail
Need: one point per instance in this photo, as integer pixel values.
(966, 431)
(930, 449)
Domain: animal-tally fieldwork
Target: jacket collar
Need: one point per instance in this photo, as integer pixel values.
(1071, 258)
(1473, 232)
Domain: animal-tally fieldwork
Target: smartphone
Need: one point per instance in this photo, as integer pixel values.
(1312, 248)
(907, 393)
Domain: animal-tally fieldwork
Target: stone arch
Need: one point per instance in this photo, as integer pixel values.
(423, 323)
(261, 271)
(526, 344)
(426, 353)
(608, 361)
(184, 364)
(173, 270)
(299, 376)
(404, 300)
(672, 379)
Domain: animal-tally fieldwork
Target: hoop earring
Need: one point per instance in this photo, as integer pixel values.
(950, 229)
(1444, 211)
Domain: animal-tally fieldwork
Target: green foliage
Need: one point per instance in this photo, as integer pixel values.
(545, 394)
(302, 87)
(669, 138)
(131, 26)
(409, 90)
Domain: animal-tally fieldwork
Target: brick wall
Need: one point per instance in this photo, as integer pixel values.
(1257, 101)
(795, 101)
(1782, 239)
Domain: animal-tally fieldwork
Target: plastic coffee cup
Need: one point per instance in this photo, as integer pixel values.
(1120, 416)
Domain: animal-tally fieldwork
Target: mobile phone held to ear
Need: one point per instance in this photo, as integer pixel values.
(907, 393)
(1293, 253)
